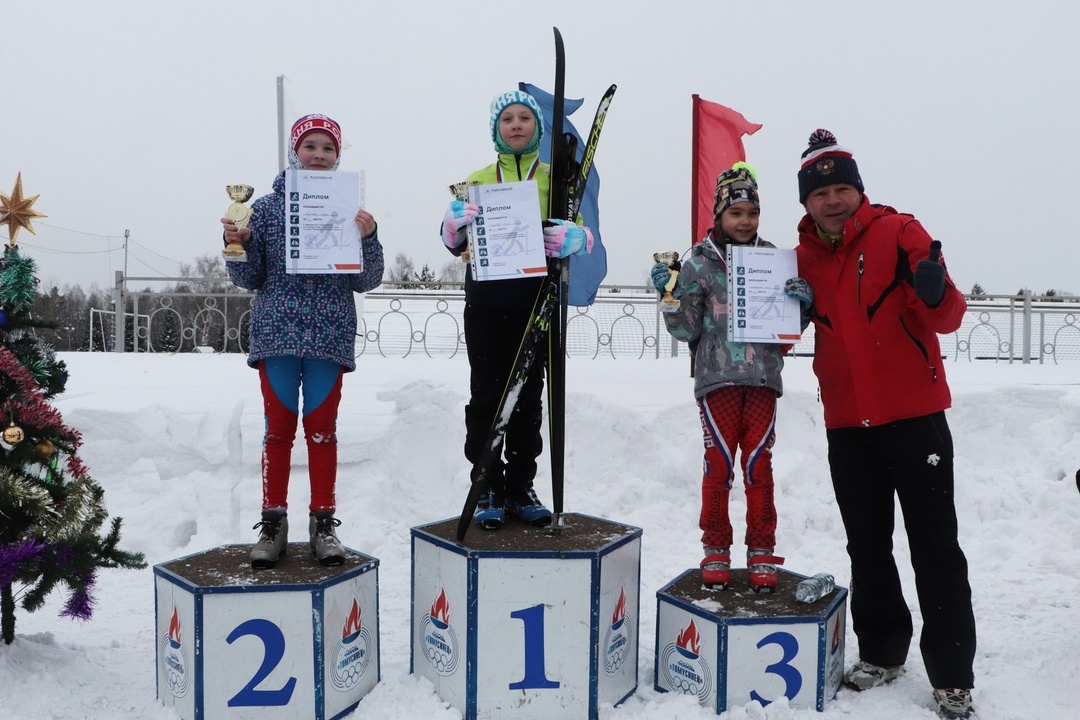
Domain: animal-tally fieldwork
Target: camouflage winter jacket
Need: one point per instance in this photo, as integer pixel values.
(702, 321)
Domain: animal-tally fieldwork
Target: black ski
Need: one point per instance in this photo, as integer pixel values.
(563, 162)
(584, 167)
(575, 176)
(540, 325)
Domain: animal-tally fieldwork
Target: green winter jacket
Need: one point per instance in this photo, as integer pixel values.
(515, 292)
(515, 168)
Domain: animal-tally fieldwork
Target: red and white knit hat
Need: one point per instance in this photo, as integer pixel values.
(315, 123)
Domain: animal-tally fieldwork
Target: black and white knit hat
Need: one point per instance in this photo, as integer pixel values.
(826, 163)
(735, 185)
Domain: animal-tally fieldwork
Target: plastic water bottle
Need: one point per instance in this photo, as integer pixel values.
(813, 589)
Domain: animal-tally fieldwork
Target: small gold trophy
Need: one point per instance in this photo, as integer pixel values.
(668, 303)
(239, 213)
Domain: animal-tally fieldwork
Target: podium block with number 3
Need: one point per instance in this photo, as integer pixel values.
(731, 647)
(527, 622)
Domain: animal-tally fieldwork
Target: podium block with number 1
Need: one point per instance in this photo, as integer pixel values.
(525, 622)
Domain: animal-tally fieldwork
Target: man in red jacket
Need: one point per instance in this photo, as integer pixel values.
(881, 296)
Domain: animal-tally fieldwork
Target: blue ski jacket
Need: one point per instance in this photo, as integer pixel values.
(310, 316)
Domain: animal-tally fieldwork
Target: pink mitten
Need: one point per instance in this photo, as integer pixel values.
(458, 215)
(565, 238)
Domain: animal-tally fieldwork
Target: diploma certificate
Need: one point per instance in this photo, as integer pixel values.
(758, 308)
(321, 236)
(507, 235)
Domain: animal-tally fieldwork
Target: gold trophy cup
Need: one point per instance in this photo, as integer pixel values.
(668, 303)
(239, 213)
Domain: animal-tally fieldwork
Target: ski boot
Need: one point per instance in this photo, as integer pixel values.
(273, 539)
(489, 514)
(761, 564)
(325, 545)
(716, 568)
(528, 507)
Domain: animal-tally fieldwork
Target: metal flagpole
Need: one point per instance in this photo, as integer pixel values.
(281, 122)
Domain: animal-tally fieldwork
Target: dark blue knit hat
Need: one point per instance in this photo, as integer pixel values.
(826, 163)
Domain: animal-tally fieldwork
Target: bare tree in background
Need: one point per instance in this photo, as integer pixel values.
(452, 272)
(402, 270)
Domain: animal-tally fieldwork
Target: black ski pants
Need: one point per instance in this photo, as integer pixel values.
(492, 337)
(911, 460)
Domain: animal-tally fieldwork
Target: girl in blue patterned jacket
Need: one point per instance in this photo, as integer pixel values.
(303, 330)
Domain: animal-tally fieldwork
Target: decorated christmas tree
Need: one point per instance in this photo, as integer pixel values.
(51, 510)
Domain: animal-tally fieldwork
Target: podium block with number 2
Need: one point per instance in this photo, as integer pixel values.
(298, 640)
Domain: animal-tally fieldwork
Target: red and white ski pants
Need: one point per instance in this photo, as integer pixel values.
(282, 379)
(743, 418)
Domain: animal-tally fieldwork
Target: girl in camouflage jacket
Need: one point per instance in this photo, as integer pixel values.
(736, 386)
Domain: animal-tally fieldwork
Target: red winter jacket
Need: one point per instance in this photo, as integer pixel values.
(876, 353)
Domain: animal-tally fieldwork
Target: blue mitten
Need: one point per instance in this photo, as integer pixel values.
(458, 215)
(799, 289)
(661, 276)
(565, 238)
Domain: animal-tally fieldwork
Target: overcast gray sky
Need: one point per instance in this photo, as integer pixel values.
(127, 115)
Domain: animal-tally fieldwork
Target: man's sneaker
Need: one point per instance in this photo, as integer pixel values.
(325, 545)
(716, 567)
(489, 514)
(864, 675)
(761, 564)
(527, 506)
(954, 704)
(273, 539)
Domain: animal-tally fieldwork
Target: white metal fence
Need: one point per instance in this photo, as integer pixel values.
(623, 323)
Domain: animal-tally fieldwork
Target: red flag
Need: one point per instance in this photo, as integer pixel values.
(718, 132)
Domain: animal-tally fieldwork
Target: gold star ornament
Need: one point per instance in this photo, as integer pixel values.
(16, 212)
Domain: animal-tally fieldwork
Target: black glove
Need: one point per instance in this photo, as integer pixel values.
(930, 277)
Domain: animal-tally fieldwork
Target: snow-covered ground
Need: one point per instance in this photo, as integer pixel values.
(175, 443)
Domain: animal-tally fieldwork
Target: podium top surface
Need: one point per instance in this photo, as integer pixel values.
(738, 601)
(229, 566)
(576, 534)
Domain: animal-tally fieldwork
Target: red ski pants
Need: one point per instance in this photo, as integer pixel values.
(282, 379)
(743, 418)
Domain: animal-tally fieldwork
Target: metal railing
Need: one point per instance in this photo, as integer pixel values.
(624, 322)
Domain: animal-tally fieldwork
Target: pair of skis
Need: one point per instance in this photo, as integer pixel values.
(568, 180)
